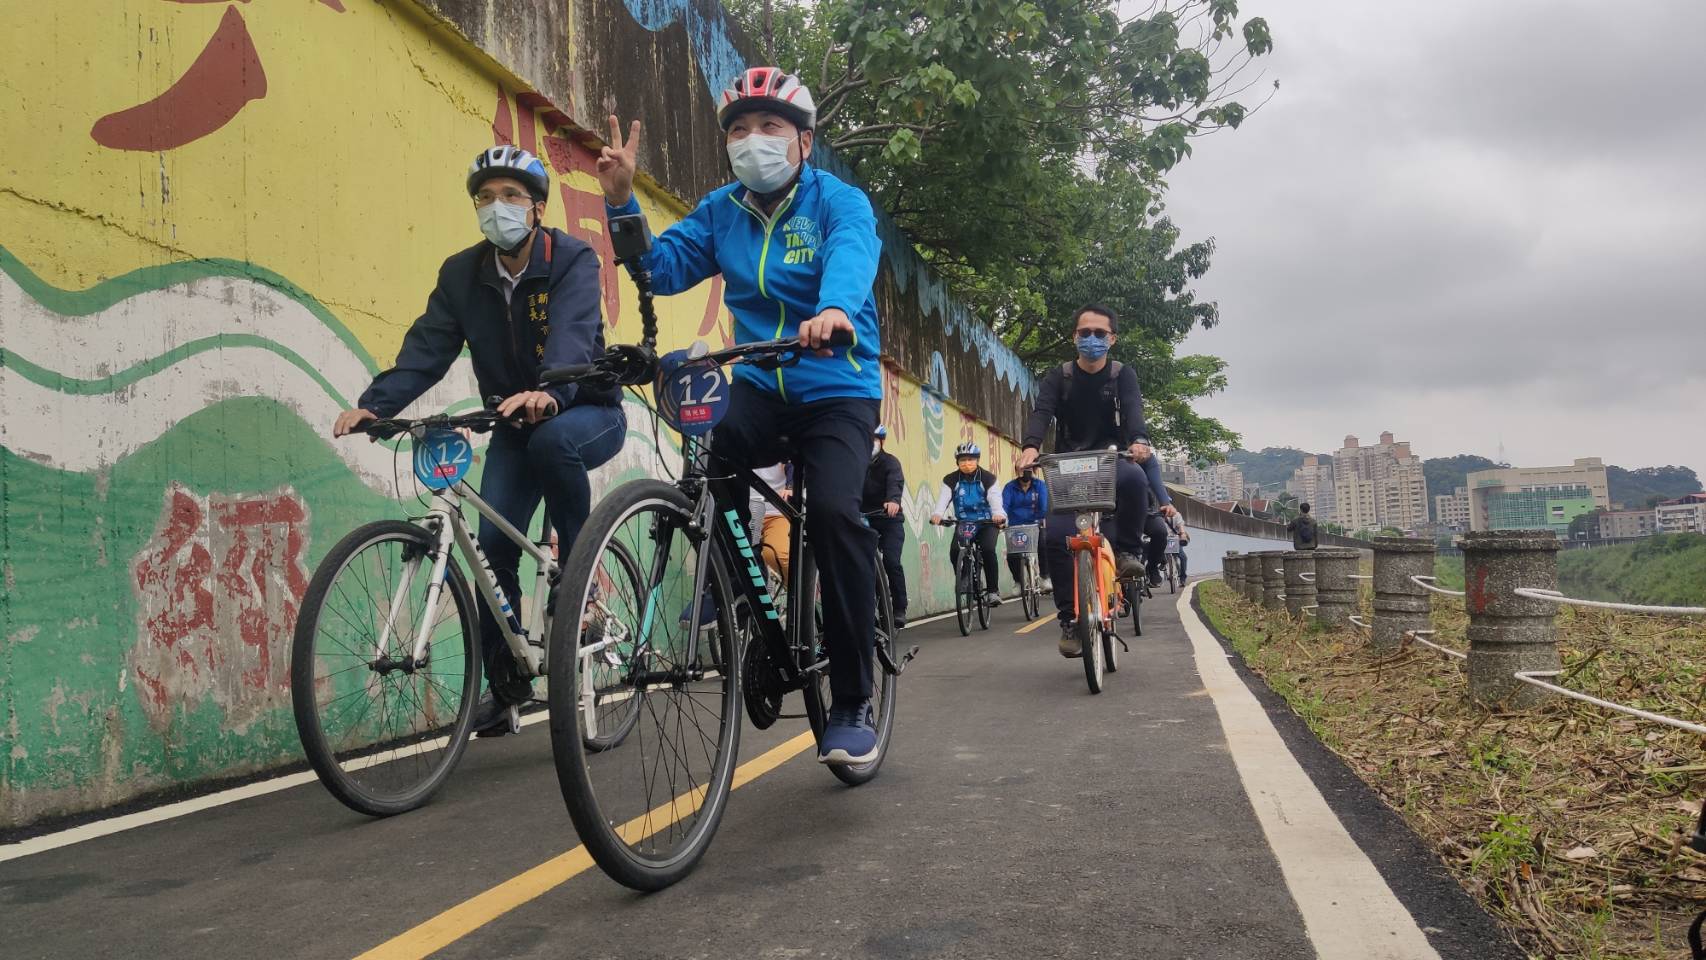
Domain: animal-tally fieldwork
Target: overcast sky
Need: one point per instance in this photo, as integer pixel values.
(1465, 222)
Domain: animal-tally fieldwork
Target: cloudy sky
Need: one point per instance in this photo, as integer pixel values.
(1466, 223)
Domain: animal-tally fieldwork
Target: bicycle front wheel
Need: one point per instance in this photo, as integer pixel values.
(1088, 626)
(981, 593)
(381, 728)
(646, 810)
(1030, 597)
(964, 601)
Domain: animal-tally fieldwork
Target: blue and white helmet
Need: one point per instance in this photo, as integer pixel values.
(510, 161)
(967, 449)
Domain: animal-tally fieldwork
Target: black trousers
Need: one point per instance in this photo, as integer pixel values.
(1130, 521)
(891, 543)
(986, 546)
(829, 441)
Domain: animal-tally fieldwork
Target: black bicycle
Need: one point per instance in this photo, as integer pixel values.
(647, 811)
(971, 598)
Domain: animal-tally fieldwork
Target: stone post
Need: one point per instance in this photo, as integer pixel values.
(1399, 603)
(1273, 580)
(1508, 633)
(1255, 579)
(1335, 591)
(1231, 569)
(1299, 568)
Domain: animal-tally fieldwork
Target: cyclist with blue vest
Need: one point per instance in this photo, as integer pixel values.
(967, 491)
(797, 249)
(523, 299)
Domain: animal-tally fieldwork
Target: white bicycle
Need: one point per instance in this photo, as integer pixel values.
(385, 662)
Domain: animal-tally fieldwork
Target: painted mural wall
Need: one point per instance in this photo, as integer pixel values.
(209, 244)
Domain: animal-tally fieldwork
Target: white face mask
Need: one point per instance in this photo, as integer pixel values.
(504, 224)
(761, 162)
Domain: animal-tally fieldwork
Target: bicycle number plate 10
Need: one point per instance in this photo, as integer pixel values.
(1077, 466)
(442, 457)
(698, 397)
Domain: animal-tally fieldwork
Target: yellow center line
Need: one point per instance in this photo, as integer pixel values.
(1027, 628)
(481, 909)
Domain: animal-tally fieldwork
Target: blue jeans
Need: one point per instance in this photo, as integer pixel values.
(550, 459)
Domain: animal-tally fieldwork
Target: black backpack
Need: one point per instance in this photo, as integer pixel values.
(1306, 529)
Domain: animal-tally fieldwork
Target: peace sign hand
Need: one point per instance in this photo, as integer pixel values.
(616, 163)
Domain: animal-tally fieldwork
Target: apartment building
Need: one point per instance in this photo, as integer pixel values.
(1682, 515)
(1451, 510)
(1627, 523)
(1379, 486)
(1537, 498)
(1312, 483)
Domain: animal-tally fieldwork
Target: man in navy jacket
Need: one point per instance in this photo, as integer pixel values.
(524, 299)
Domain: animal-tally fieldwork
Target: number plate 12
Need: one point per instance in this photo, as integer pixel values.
(442, 457)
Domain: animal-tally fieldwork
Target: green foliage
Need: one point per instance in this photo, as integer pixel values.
(1446, 474)
(1669, 569)
(1508, 843)
(1646, 486)
(1448, 572)
(1270, 468)
(1022, 145)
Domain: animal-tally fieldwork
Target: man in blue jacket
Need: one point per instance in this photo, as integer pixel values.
(797, 250)
(523, 299)
(1026, 500)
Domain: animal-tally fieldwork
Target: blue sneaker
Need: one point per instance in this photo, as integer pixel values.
(849, 738)
(707, 613)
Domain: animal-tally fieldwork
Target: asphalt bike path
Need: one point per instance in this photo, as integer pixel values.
(1016, 816)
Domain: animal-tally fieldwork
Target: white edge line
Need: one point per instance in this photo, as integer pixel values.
(172, 811)
(1348, 910)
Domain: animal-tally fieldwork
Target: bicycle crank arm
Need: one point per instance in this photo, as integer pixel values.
(890, 665)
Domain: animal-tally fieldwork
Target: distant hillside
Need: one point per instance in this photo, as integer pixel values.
(1633, 488)
(1636, 489)
(1446, 474)
(1668, 569)
(1273, 466)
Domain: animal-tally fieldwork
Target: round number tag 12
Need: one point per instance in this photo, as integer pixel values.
(699, 396)
(442, 457)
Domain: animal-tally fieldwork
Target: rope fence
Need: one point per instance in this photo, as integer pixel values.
(1426, 584)
(1536, 593)
(1416, 635)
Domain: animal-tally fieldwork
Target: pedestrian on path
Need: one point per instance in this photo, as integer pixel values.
(1302, 529)
(885, 486)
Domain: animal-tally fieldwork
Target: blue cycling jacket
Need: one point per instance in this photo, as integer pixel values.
(819, 251)
(1025, 506)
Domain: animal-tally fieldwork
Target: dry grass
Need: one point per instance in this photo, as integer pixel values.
(1568, 822)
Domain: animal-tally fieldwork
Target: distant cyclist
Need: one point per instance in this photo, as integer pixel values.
(967, 491)
(1177, 538)
(1025, 498)
(797, 249)
(1095, 403)
(525, 298)
(885, 489)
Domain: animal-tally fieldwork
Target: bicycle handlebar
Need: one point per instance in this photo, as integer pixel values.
(633, 365)
(386, 428)
(953, 522)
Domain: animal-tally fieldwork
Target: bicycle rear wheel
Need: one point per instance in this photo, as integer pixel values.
(1088, 626)
(384, 731)
(647, 810)
(885, 685)
(981, 593)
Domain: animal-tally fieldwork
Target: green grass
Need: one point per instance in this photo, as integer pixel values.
(1669, 569)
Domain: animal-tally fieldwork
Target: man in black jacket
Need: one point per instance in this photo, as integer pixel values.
(885, 486)
(1094, 403)
(524, 299)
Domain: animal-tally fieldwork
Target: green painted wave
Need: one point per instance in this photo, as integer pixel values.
(131, 375)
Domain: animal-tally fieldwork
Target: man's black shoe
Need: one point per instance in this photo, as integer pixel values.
(494, 719)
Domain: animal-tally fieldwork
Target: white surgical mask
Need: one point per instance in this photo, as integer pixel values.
(761, 162)
(504, 224)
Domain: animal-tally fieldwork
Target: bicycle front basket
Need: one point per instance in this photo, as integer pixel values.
(1078, 482)
(1022, 539)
